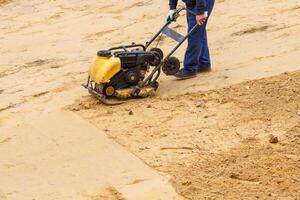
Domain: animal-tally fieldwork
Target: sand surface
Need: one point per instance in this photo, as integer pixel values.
(215, 144)
(66, 157)
(211, 144)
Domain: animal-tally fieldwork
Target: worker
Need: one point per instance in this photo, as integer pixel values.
(197, 58)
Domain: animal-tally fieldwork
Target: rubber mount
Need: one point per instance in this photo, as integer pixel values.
(155, 85)
(136, 91)
(108, 90)
(171, 66)
(104, 53)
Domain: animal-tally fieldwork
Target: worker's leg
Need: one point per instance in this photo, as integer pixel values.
(195, 45)
(195, 42)
(204, 58)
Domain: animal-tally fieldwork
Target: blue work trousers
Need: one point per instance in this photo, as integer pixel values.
(197, 52)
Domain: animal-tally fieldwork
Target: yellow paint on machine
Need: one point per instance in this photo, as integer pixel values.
(103, 69)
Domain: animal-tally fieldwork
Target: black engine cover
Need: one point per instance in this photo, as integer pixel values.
(135, 58)
(126, 78)
(134, 64)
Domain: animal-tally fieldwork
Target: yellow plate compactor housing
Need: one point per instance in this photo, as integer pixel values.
(103, 68)
(120, 73)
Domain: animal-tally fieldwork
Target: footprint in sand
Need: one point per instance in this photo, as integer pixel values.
(109, 193)
(36, 63)
(252, 30)
(7, 107)
(5, 141)
(40, 94)
(95, 36)
(2, 3)
(114, 10)
(140, 4)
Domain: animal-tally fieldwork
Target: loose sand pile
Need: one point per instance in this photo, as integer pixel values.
(215, 144)
(212, 144)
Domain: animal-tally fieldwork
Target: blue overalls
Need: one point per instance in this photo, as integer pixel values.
(197, 52)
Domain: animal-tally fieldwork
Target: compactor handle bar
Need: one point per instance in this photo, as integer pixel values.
(144, 47)
(125, 47)
(176, 15)
(157, 69)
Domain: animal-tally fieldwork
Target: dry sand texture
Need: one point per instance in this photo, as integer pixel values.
(215, 144)
(212, 144)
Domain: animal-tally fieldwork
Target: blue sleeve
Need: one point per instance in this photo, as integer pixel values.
(200, 6)
(173, 4)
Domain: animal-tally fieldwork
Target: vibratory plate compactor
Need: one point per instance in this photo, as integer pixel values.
(123, 72)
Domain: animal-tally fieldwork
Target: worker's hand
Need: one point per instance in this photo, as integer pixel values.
(171, 15)
(201, 19)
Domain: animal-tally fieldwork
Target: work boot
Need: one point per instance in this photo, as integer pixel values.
(185, 74)
(204, 68)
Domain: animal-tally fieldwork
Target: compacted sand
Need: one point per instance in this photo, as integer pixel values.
(229, 134)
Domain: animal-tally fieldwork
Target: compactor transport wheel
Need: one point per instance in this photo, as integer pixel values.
(171, 66)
